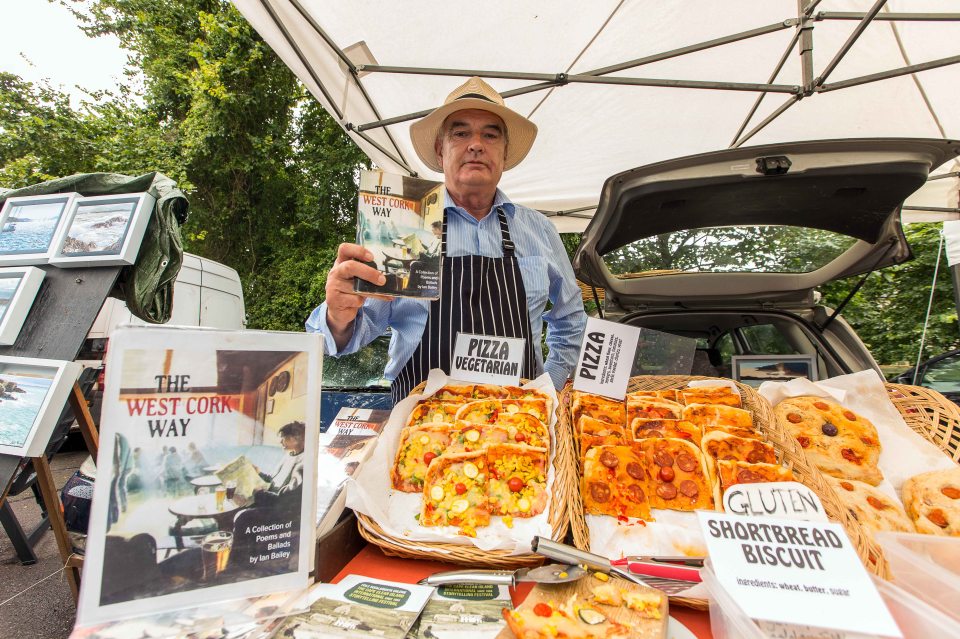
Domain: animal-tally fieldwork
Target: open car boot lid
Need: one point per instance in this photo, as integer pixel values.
(763, 225)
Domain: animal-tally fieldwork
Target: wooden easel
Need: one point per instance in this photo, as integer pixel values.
(61, 316)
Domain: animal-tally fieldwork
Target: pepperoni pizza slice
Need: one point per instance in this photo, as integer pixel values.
(419, 445)
(455, 493)
(719, 445)
(731, 473)
(615, 483)
(670, 395)
(590, 441)
(488, 411)
(430, 411)
(710, 416)
(646, 408)
(598, 407)
(673, 428)
(872, 508)
(678, 474)
(719, 394)
(518, 480)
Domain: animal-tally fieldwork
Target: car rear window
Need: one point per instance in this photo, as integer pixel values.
(729, 249)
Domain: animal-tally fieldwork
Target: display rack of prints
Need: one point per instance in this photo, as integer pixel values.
(103, 230)
(32, 395)
(789, 454)
(203, 495)
(562, 493)
(18, 288)
(30, 226)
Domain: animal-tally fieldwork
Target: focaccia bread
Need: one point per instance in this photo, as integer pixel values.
(719, 445)
(718, 394)
(518, 480)
(932, 501)
(597, 407)
(674, 428)
(873, 509)
(455, 493)
(671, 395)
(614, 482)
(419, 445)
(835, 439)
(731, 473)
(646, 408)
(712, 416)
(488, 411)
(679, 479)
(430, 411)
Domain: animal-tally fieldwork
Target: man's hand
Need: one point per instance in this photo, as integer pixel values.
(342, 302)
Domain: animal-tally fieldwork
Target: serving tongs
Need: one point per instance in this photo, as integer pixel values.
(669, 574)
(548, 574)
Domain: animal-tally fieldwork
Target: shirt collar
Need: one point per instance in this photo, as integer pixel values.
(499, 199)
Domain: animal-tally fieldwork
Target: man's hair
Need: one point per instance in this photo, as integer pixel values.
(437, 224)
(293, 429)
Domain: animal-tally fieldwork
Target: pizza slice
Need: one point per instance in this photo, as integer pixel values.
(466, 437)
(670, 395)
(488, 411)
(590, 441)
(587, 425)
(932, 501)
(571, 619)
(419, 445)
(720, 445)
(705, 415)
(870, 507)
(430, 411)
(674, 428)
(516, 392)
(524, 428)
(614, 482)
(459, 393)
(731, 473)
(598, 407)
(745, 433)
(455, 493)
(678, 474)
(518, 480)
(719, 394)
(645, 408)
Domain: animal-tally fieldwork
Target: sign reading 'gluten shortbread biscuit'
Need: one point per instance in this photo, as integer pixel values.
(487, 360)
(606, 358)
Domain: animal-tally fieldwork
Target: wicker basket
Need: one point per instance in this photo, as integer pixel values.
(565, 490)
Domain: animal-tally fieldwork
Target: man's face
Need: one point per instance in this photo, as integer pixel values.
(472, 148)
(292, 443)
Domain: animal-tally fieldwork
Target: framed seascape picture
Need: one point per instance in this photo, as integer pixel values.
(18, 288)
(103, 230)
(753, 370)
(32, 395)
(29, 227)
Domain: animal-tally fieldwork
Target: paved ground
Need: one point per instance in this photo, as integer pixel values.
(46, 610)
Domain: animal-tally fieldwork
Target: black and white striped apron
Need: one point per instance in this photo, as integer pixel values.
(481, 295)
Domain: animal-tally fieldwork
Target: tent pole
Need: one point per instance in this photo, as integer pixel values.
(857, 32)
(897, 17)
(805, 33)
(770, 118)
(893, 73)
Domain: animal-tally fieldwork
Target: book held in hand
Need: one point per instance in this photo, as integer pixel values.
(400, 220)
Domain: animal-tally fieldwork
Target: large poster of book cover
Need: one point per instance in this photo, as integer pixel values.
(400, 220)
(206, 470)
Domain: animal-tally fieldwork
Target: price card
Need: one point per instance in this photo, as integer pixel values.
(487, 360)
(606, 358)
(795, 572)
(785, 499)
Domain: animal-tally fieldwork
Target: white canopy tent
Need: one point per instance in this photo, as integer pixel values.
(616, 84)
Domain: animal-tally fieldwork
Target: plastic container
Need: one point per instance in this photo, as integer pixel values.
(916, 618)
(926, 566)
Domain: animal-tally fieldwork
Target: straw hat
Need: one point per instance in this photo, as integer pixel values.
(473, 94)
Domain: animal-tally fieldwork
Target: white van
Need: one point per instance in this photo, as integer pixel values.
(206, 293)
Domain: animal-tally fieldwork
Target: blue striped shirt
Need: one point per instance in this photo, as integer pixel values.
(547, 276)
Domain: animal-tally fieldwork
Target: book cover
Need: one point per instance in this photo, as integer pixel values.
(399, 220)
(458, 611)
(358, 607)
(207, 470)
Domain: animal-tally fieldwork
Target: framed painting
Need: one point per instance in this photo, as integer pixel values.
(32, 395)
(104, 230)
(29, 227)
(753, 370)
(18, 288)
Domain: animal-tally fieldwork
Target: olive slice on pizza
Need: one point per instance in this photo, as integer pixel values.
(488, 411)
(615, 482)
(730, 473)
(419, 445)
(872, 508)
(835, 439)
(712, 415)
(455, 493)
(932, 501)
(673, 428)
(720, 445)
(517, 484)
(645, 408)
(597, 407)
(718, 394)
(678, 474)
(430, 411)
(670, 395)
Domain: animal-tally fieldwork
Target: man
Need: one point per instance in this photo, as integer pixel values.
(287, 482)
(501, 262)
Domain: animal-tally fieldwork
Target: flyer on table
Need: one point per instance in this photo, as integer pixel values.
(207, 470)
